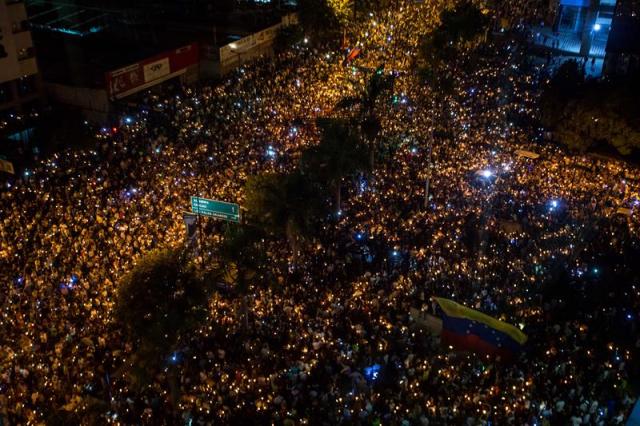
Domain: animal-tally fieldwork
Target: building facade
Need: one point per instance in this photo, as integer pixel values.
(20, 83)
(623, 47)
(588, 22)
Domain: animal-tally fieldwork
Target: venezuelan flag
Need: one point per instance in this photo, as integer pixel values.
(353, 54)
(468, 329)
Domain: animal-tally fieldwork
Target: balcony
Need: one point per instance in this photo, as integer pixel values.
(28, 66)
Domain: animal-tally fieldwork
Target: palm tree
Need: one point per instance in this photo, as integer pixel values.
(377, 85)
(283, 204)
(339, 154)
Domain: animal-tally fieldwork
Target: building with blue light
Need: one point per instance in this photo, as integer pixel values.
(602, 34)
(623, 46)
(587, 23)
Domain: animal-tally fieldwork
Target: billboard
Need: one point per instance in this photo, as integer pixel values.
(156, 69)
(151, 71)
(231, 53)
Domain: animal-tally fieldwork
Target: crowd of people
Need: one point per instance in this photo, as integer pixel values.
(546, 243)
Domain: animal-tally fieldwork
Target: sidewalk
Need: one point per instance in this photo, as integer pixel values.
(566, 42)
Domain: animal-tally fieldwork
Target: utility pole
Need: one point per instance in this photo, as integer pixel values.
(199, 222)
(427, 181)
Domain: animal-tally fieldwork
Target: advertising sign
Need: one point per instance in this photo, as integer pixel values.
(156, 69)
(125, 78)
(7, 166)
(148, 72)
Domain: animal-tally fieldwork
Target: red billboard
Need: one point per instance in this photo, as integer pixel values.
(151, 71)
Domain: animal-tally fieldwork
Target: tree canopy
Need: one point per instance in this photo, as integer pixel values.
(462, 27)
(241, 253)
(339, 154)
(158, 301)
(242, 261)
(283, 204)
(318, 17)
(368, 92)
(584, 114)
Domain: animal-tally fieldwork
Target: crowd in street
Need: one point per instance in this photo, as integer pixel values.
(547, 244)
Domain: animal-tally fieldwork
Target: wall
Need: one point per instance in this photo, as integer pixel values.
(94, 103)
(252, 46)
(9, 65)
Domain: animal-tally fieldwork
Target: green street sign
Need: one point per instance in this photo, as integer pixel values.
(217, 209)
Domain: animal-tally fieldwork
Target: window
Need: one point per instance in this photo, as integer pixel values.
(5, 92)
(19, 26)
(25, 53)
(26, 85)
(3, 51)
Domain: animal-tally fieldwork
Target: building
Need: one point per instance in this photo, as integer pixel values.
(20, 83)
(586, 24)
(99, 57)
(93, 56)
(602, 33)
(239, 51)
(623, 47)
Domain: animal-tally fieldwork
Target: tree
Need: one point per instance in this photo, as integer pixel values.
(242, 260)
(160, 300)
(589, 121)
(339, 154)
(317, 17)
(583, 114)
(377, 85)
(283, 205)
(288, 36)
(85, 410)
(461, 28)
(559, 90)
(341, 10)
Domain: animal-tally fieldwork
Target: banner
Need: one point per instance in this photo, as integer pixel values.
(528, 154)
(634, 417)
(267, 35)
(124, 79)
(148, 72)
(7, 166)
(156, 69)
(290, 19)
(232, 52)
(426, 321)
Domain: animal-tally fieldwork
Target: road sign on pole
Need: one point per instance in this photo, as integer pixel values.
(190, 220)
(214, 208)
